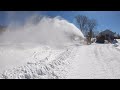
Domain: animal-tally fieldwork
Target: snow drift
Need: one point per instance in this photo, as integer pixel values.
(51, 31)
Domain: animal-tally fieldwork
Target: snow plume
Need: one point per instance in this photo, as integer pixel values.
(44, 30)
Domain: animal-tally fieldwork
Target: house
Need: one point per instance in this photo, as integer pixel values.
(105, 35)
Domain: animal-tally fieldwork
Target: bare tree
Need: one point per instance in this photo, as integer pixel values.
(91, 24)
(87, 26)
(82, 22)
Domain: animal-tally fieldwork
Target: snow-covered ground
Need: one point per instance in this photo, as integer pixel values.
(19, 60)
(72, 62)
(96, 61)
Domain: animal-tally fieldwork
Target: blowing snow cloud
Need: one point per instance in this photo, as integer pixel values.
(45, 30)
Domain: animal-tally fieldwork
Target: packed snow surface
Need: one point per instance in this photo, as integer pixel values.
(96, 61)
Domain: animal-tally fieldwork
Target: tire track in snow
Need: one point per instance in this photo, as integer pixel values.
(109, 57)
(100, 56)
(115, 61)
(84, 64)
(97, 56)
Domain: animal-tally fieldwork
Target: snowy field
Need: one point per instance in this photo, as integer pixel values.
(96, 61)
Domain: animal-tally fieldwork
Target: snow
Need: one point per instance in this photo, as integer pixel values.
(99, 61)
(37, 50)
(35, 46)
(35, 55)
(50, 67)
(118, 44)
(48, 31)
(96, 61)
(13, 56)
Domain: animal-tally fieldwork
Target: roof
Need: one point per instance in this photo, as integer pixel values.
(107, 32)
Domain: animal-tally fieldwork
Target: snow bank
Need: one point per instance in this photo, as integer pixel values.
(46, 69)
(15, 55)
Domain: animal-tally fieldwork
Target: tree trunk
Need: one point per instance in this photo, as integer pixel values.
(90, 36)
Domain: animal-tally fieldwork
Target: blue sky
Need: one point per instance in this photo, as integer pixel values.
(105, 19)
